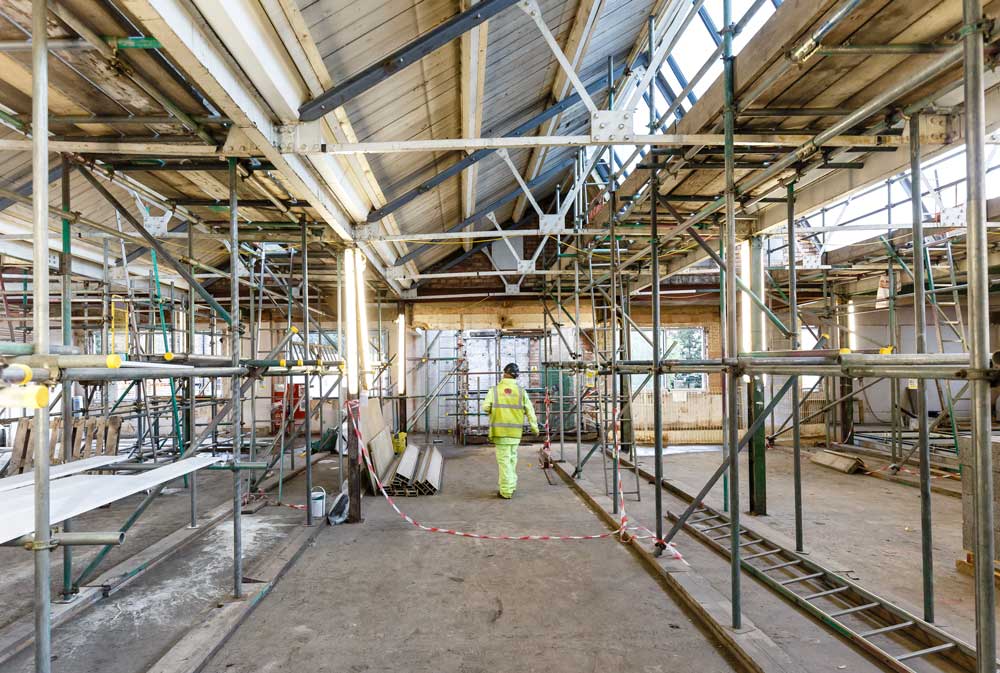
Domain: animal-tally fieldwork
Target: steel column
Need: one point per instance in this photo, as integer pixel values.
(40, 323)
(237, 392)
(979, 342)
(66, 262)
(307, 425)
(793, 328)
(731, 347)
(757, 453)
(192, 426)
(920, 339)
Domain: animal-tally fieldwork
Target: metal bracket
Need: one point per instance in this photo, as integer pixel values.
(954, 217)
(936, 129)
(396, 273)
(551, 224)
(301, 137)
(118, 273)
(237, 143)
(610, 125)
(367, 232)
(156, 225)
(525, 265)
(512, 288)
(408, 293)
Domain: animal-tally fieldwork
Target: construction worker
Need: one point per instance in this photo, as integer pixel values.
(507, 405)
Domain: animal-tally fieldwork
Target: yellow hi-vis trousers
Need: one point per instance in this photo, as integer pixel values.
(507, 464)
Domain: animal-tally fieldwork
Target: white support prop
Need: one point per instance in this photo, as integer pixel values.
(657, 140)
(496, 225)
(520, 181)
(531, 8)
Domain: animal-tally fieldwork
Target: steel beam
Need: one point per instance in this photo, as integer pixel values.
(555, 110)
(27, 189)
(155, 244)
(402, 58)
(494, 205)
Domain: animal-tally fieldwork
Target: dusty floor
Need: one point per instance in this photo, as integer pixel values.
(385, 596)
(430, 602)
(869, 528)
(130, 630)
(805, 641)
(171, 511)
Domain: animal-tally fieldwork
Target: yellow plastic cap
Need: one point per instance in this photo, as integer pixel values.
(281, 362)
(845, 351)
(168, 356)
(299, 362)
(40, 395)
(825, 336)
(113, 361)
(295, 330)
(319, 362)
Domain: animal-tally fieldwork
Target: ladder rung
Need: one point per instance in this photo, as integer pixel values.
(886, 629)
(929, 650)
(848, 611)
(747, 544)
(707, 518)
(828, 592)
(801, 579)
(722, 537)
(774, 567)
(719, 525)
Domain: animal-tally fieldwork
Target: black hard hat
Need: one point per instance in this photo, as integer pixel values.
(512, 369)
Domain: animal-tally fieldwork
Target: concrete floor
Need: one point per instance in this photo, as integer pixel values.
(128, 631)
(867, 528)
(385, 596)
(806, 642)
(170, 512)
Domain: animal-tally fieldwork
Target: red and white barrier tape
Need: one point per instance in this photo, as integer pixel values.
(353, 408)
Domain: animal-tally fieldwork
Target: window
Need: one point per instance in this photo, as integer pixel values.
(807, 341)
(690, 345)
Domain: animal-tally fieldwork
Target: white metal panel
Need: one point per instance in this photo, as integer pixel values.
(75, 495)
(59, 471)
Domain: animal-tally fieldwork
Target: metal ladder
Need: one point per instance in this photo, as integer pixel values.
(956, 327)
(892, 636)
(609, 344)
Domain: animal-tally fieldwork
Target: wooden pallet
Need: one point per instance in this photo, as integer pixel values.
(967, 566)
(91, 437)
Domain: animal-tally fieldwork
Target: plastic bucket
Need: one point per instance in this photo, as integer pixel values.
(317, 502)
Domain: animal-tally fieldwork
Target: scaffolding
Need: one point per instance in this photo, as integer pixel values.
(187, 378)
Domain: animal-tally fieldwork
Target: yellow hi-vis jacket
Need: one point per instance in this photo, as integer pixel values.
(507, 404)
